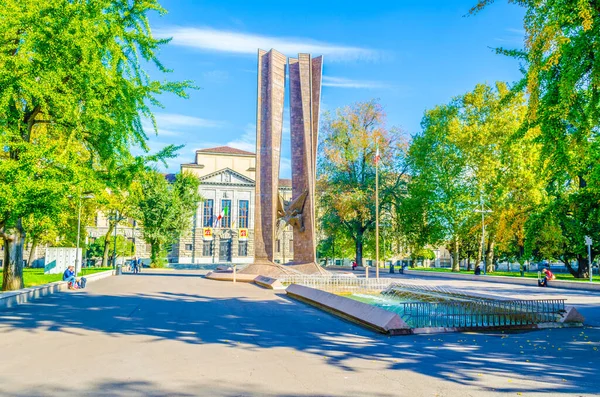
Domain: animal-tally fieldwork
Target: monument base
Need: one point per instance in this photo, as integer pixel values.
(266, 268)
(270, 269)
(307, 268)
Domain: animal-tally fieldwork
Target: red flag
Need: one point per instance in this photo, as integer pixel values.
(377, 156)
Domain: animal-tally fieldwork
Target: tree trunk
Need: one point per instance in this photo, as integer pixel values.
(107, 241)
(14, 241)
(489, 256)
(156, 259)
(359, 250)
(583, 271)
(34, 244)
(468, 262)
(455, 255)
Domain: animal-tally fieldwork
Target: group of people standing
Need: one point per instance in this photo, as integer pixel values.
(136, 265)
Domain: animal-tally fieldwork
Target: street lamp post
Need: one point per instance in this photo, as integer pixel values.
(117, 218)
(115, 246)
(588, 242)
(483, 212)
(86, 195)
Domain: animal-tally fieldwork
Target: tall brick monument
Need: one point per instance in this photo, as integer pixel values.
(270, 211)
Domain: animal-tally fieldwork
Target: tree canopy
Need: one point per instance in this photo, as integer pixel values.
(346, 170)
(74, 91)
(165, 210)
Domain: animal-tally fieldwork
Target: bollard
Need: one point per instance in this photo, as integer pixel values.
(234, 273)
(119, 270)
(367, 272)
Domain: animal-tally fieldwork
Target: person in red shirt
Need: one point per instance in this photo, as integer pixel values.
(547, 277)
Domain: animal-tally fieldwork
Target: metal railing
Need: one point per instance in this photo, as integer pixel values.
(444, 307)
(431, 293)
(423, 306)
(338, 283)
(480, 314)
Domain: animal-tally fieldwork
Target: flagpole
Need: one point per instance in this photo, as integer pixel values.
(377, 214)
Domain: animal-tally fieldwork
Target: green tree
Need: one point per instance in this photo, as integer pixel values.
(561, 61)
(166, 210)
(74, 89)
(471, 150)
(124, 247)
(346, 171)
(441, 189)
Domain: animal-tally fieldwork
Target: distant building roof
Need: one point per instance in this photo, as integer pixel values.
(225, 150)
(170, 177)
(285, 183)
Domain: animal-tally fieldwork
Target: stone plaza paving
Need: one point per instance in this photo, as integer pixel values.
(178, 334)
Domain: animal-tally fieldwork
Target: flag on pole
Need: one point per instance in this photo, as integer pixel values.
(223, 214)
(377, 156)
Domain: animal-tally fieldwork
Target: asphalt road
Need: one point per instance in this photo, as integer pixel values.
(178, 334)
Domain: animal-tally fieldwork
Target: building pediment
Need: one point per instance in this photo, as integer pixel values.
(226, 176)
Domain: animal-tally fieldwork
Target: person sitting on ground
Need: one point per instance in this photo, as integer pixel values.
(547, 277)
(354, 265)
(477, 271)
(70, 277)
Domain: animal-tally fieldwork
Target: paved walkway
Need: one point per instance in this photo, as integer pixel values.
(177, 334)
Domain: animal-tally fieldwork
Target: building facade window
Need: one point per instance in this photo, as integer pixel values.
(188, 247)
(291, 246)
(226, 206)
(208, 213)
(278, 245)
(243, 214)
(243, 248)
(207, 248)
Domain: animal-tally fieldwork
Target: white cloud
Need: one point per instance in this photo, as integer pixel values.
(517, 31)
(285, 168)
(171, 124)
(181, 120)
(340, 82)
(248, 43)
(216, 76)
(149, 130)
(247, 141)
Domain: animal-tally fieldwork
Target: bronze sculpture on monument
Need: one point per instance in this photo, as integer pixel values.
(271, 212)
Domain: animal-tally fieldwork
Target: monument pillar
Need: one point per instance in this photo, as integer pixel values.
(269, 124)
(270, 210)
(305, 94)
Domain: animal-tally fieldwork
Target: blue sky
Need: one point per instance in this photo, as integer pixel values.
(411, 55)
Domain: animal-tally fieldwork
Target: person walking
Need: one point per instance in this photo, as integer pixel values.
(134, 265)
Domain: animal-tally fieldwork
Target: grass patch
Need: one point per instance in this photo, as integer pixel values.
(559, 276)
(32, 277)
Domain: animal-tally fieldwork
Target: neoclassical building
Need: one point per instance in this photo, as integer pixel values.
(227, 185)
(226, 182)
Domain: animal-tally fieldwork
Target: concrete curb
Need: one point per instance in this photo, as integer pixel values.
(228, 276)
(378, 319)
(572, 285)
(268, 282)
(14, 298)
(262, 281)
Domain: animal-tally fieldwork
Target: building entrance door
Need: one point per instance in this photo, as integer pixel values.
(225, 251)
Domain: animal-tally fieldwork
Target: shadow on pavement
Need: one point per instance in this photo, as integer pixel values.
(151, 389)
(562, 361)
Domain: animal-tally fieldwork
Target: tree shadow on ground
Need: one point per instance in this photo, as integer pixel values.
(561, 361)
(153, 389)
